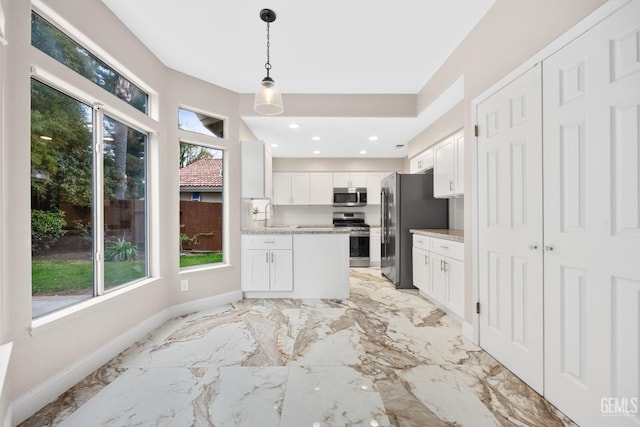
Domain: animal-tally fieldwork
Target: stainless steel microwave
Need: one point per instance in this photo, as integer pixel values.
(349, 196)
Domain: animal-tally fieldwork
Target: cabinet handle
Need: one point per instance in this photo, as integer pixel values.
(450, 185)
(419, 241)
(441, 268)
(444, 266)
(444, 247)
(533, 247)
(269, 242)
(548, 248)
(272, 257)
(426, 260)
(267, 256)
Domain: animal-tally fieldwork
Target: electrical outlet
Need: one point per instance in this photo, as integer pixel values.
(184, 285)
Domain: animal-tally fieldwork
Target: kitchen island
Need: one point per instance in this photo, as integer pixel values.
(295, 262)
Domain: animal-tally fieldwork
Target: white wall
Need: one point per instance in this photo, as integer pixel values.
(60, 342)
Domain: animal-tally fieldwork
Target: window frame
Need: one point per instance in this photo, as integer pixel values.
(58, 76)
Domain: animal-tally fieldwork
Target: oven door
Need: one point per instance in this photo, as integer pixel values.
(359, 249)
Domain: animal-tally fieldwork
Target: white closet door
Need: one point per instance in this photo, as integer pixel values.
(592, 221)
(510, 227)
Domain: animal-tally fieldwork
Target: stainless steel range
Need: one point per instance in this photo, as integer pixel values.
(358, 237)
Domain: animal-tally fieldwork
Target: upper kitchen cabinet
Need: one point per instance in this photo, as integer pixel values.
(320, 188)
(373, 186)
(256, 175)
(291, 188)
(448, 167)
(421, 162)
(349, 179)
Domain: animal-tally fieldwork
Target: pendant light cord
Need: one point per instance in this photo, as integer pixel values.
(268, 63)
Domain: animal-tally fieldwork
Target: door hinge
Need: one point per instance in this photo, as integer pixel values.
(475, 130)
(478, 308)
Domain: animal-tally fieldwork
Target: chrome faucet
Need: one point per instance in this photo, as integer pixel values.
(266, 213)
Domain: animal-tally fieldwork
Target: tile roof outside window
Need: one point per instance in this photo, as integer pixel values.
(202, 173)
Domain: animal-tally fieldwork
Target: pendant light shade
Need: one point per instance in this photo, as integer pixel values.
(268, 99)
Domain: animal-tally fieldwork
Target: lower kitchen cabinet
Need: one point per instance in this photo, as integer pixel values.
(421, 263)
(374, 246)
(267, 263)
(438, 271)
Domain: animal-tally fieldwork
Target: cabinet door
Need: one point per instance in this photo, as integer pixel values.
(455, 286)
(358, 179)
(438, 277)
(300, 188)
(341, 179)
(281, 270)
(320, 188)
(420, 259)
(458, 179)
(255, 270)
(443, 168)
(282, 188)
(374, 248)
(373, 187)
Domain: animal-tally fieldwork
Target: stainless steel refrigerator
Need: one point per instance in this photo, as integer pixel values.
(406, 202)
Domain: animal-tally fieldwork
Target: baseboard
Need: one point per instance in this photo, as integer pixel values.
(467, 332)
(46, 392)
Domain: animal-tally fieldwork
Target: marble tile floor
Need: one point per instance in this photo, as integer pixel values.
(383, 357)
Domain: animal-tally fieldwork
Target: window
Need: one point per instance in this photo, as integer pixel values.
(65, 50)
(66, 211)
(200, 123)
(201, 198)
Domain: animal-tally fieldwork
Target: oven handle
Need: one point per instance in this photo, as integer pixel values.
(360, 234)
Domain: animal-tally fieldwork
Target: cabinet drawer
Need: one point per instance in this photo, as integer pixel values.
(448, 248)
(267, 241)
(420, 241)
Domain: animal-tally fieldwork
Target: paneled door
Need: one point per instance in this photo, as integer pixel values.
(510, 226)
(592, 223)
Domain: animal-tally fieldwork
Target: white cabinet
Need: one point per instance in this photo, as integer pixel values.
(448, 167)
(373, 186)
(291, 188)
(374, 246)
(438, 271)
(349, 179)
(267, 263)
(320, 188)
(421, 264)
(256, 170)
(422, 161)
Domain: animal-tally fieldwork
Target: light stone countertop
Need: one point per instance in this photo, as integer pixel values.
(297, 229)
(441, 233)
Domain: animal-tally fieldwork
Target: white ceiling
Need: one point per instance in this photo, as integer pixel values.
(330, 47)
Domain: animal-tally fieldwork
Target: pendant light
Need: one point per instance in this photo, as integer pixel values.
(268, 97)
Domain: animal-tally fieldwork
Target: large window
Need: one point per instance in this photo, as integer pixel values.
(201, 199)
(88, 180)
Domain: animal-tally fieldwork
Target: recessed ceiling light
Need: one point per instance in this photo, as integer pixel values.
(316, 152)
(315, 138)
(275, 145)
(294, 126)
(373, 138)
(363, 151)
(46, 138)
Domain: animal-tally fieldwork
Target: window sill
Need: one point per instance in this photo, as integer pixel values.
(51, 320)
(204, 267)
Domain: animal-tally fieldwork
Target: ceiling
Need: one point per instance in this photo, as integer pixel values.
(332, 47)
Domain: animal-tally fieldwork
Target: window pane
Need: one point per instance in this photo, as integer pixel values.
(199, 123)
(201, 189)
(61, 200)
(125, 225)
(65, 50)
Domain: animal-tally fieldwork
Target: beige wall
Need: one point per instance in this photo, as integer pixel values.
(52, 349)
(510, 33)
